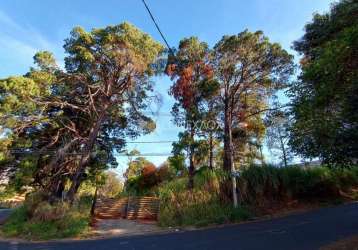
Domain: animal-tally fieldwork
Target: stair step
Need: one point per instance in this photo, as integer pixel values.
(132, 208)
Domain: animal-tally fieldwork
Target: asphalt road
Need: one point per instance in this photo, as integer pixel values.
(303, 231)
(4, 214)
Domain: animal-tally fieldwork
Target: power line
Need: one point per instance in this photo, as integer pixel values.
(156, 25)
(146, 154)
(149, 142)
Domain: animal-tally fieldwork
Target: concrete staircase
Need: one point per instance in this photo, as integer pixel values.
(143, 208)
(132, 208)
(111, 208)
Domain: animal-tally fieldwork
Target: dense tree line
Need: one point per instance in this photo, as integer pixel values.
(325, 97)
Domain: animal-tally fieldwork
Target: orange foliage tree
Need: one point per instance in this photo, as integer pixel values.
(189, 68)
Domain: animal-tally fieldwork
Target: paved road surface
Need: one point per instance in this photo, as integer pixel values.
(304, 231)
(4, 214)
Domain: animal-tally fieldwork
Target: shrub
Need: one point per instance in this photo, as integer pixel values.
(48, 221)
(48, 212)
(149, 179)
(33, 199)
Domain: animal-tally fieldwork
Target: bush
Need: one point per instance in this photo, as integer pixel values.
(48, 212)
(45, 221)
(33, 199)
(149, 179)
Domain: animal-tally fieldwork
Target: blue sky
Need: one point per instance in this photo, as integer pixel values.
(29, 26)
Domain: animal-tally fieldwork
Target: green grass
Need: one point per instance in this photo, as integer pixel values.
(259, 183)
(259, 187)
(199, 207)
(201, 214)
(74, 222)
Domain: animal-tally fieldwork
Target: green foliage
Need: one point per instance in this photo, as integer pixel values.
(189, 68)
(202, 214)
(260, 184)
(149, 179)
(45, 61)
(200, 206)
(135, 167)
(6, 192)
(44, 221)
(15, 224)
(277, 134)
(186, 146)
(259, 187)
(177, 163)
(249, 69)
(112, 186)
(324, 100)
(47, 212)
(53, 114)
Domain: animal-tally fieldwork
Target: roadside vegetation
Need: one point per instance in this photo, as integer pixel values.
(200, 206)
(262, 190)
(39, 220)
(61, 128)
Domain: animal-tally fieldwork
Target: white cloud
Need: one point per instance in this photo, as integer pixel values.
(16, 46)
(5, 19)
(19, 43)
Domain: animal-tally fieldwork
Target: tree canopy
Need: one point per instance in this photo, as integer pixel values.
(72, 121)
(325, 98)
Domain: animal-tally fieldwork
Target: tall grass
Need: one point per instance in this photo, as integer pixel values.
(200, 206)
(258, 184)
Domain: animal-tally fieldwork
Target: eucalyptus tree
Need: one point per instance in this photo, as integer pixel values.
(87, 109)
(246, 64)
(277, 134)
(189, 69)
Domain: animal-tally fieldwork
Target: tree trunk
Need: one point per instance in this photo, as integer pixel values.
(56, 186)
(228, 150)
(283, 148)
(262, 155)
(283, 152)
(211, 153)
(56, 190)
(229, 155)
(191, 159)
(93, 207)
(85, 158)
